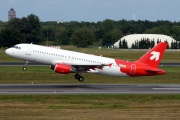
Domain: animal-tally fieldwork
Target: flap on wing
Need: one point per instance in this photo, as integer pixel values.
(78, 64)
(89, 64)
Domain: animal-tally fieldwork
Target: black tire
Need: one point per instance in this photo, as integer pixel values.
(24, 68)
(77, 76)
(81, 79)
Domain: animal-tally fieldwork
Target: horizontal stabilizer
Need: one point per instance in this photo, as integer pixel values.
(156, 71)
(153, 70)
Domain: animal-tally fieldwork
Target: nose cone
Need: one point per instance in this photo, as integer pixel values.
(8, 51)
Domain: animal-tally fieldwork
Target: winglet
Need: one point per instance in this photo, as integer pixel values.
(154, 56)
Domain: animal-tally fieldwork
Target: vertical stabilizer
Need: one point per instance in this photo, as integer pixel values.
(154, 56)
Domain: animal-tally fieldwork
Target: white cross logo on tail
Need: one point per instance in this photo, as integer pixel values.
(155, 55)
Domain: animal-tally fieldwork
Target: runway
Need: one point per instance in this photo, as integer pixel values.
(89, 89)
(39, 64)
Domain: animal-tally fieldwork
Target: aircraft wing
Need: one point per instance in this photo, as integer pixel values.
(82, 66)
(89, 66)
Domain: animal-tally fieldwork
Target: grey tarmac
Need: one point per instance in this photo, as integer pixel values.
(89, 89)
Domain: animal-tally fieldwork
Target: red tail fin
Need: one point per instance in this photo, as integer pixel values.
(154, 56)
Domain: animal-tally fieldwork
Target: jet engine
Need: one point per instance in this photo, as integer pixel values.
(61, 68)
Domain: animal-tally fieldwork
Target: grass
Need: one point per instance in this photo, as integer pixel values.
(90, 107)
(42, 74)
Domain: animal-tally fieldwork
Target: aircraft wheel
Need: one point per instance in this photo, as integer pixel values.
(24, 68)
(77, 76)
(81, 79)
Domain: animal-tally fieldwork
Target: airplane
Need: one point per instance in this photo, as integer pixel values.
(65, 62)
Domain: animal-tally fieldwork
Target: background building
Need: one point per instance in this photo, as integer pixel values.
(132, 39)
(11, 14)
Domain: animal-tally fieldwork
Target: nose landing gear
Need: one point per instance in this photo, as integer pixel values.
(25, 66)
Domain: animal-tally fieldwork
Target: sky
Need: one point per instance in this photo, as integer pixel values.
(93, 10)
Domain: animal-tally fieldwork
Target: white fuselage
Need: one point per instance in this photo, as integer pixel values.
(51, 56)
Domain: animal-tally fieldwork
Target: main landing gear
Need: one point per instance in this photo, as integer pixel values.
(25, 66)
(79, 77)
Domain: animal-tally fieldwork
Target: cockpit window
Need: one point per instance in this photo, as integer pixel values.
(16, 47)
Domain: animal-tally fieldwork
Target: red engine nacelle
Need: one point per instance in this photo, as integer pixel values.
(61, 68)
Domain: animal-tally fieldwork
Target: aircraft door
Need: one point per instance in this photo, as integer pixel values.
(133, 69)
(28, 50)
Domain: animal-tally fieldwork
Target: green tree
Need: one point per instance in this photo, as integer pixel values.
(116, 35)
(83, 37)
(48, 32)
(176, 32)
(10, 37)
(112, 36)
(107, 25)
(29, 27)
(65, 38)
(63, 35)
(34, 28)
(159, 30)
